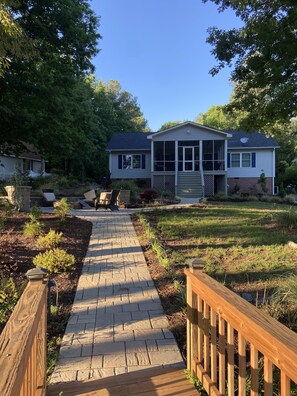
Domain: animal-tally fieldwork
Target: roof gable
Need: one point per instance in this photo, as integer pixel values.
(192, 124)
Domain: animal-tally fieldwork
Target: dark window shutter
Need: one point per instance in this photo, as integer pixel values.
(143, 161)
(228, 160)
(253, 160)
(120, 161)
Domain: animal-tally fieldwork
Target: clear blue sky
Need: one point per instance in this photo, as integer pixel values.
(157, 50)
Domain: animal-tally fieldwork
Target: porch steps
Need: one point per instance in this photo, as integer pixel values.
(189, 185)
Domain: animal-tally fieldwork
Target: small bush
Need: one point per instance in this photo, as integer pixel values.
(62, 208)
(35, 213)
(3, 221)
(290, 199)
(9, 296)
(8, 208)
(125, 185)
(149, 194)
(32, 229)
(287, 219)
(50, 240)
(55, 260)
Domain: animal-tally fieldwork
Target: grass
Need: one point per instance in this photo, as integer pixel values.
(242, 243)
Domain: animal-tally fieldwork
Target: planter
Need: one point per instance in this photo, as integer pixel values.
(19, 196)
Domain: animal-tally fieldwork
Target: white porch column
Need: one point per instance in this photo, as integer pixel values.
(176, 165)
(152, 162)
(226, 165)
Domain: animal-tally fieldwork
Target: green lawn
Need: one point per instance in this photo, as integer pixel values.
(239, 242)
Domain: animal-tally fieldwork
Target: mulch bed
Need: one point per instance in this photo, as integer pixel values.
(17, 252)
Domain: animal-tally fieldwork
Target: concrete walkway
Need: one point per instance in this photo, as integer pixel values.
(117, 324)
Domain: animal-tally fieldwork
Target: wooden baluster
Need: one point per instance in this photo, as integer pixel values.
(242, 365)
(200, 329)
(222, 353)
(230, 349)
(268, 377)
(194, 330)
(254, 371)
(213, 347)
(206, 337)
(285, 385)
(189, 322)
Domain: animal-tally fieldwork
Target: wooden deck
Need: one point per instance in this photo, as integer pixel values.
(151, 382)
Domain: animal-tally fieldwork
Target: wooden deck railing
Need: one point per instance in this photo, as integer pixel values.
(233, 347)
(23, 342)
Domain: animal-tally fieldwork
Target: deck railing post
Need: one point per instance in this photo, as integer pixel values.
(23, 341)
(38, 356)
(195, 266)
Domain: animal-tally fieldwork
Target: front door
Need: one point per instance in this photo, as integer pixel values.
(188, 159)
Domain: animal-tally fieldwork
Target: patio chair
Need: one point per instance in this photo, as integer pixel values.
(49, 197)
(124, 198)
(107, 200)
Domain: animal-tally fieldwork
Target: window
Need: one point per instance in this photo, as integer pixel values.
(27, 165)
(246, 160)
(235, 160)
(241, 160)
(131, 161)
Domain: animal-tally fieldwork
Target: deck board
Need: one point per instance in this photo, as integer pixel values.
(151, 382)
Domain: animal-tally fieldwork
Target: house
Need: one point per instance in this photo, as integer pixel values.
(29, 160)
(193, 160)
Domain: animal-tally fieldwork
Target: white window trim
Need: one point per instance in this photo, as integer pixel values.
(132, 161)
(240, 159)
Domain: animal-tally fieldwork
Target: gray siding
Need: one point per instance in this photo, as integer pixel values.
(117, 173)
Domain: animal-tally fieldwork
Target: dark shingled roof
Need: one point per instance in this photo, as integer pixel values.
(138, 140)
(255, 139)
(129, 141)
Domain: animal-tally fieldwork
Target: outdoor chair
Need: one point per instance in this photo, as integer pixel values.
(124, 198)
(107, 200)
(49, 197)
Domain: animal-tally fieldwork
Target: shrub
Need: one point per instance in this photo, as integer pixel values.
(55, 260)
(35, 213)
(290, 198)
(290, 176)
(149, 194)
(287, 219)
(32, 229)
(8, 208)
(50, 240)
(62, 208)
(3, 221)
(125, 185)
(9, 296)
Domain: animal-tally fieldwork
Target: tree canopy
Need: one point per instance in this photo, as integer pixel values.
(263, 53)
(51, 99)
(169, 124)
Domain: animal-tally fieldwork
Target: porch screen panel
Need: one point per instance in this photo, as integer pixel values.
(164, 156)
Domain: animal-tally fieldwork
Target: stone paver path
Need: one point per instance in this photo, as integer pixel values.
(117, 323)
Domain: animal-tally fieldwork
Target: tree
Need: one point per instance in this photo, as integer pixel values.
(216, 117)
(125, 114)
(14, 43)
(264, 55)
(36, 95)
(168, 125)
